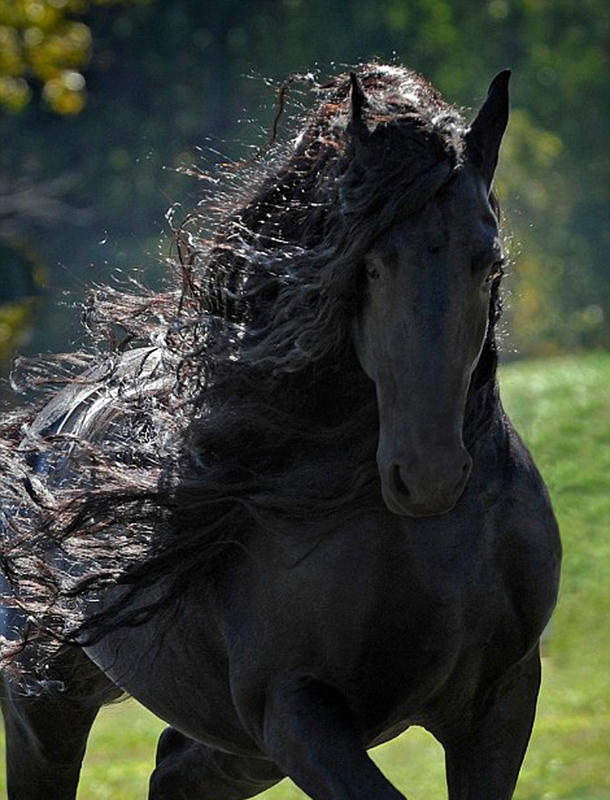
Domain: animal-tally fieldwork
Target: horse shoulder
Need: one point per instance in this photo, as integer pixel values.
(525, 535)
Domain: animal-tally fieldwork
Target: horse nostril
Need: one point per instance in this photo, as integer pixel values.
(466, 468)
(398, 485)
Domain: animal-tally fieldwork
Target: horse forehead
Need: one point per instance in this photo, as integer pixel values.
(459, 219)
(459, 214)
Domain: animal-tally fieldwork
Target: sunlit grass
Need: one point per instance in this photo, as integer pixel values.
(562, 409)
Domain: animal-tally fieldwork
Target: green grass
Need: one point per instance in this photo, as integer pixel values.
(562, 409)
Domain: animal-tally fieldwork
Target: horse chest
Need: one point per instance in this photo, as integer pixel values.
(394, 619)
(370, 611)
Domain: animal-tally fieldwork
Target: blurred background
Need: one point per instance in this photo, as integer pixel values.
(105, 105)
(101, 101)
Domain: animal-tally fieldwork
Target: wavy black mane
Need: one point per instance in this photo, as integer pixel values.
(217, 401)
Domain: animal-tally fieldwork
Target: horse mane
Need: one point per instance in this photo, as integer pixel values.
(210, 406)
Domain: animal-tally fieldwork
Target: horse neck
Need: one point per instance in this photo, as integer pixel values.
(340, 394)
(483, 409)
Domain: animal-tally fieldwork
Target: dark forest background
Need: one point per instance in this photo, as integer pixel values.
(102, 103)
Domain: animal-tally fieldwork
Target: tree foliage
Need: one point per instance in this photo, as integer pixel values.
(44, 42)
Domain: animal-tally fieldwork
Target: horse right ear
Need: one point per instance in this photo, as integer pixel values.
(485, 134)
(357, 128)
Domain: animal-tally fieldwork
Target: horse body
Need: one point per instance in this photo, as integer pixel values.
(427, 604)
(416, 598)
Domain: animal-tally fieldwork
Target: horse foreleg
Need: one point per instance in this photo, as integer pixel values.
(46, 735)
(483, 760)
(312, 737)
(187, 770)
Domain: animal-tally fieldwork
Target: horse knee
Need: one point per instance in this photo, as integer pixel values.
(171, 742)
(188, 770)
(165, 784)
(176, 774)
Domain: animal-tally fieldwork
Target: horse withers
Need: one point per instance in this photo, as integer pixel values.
(287, 512)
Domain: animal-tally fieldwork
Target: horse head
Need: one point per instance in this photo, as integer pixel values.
(422, 325)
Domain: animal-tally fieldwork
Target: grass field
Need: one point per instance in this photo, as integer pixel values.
(562, 409)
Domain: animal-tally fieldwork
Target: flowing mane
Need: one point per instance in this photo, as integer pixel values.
(219, 398)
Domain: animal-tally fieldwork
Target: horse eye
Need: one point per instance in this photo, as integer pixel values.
(488, 272)
(372, 272)
(496, 271)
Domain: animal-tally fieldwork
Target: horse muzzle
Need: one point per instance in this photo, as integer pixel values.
(427, 487)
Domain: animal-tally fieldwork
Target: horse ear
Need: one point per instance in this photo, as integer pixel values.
(357, 127)
(485, 134)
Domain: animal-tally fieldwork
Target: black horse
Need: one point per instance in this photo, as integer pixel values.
(285, 509)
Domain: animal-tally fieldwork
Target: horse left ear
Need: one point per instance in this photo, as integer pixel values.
(485, 134)
(357, 127)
